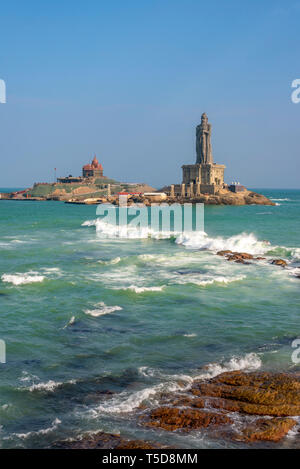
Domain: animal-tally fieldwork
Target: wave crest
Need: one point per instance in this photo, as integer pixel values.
(22, 279)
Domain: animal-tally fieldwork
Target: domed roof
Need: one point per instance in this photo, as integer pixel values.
(94, 165)
(95, 162)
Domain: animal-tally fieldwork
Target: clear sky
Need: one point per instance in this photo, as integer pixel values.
(129, 80)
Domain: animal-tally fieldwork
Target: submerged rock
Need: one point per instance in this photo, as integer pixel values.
(103, 440)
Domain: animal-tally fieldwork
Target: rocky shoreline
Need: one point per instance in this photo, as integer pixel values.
(224, 197)
(237, 406)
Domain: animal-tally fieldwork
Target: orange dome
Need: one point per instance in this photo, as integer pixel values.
(95, 162)
(88, 167)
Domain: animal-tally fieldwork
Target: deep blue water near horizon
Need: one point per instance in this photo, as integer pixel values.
(83, 314)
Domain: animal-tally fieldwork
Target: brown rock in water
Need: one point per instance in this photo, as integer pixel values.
(223, 253)
(279, 262)
(258, 393)
(173, 418)
(186, 401)
(243, 255)
(273, 396)
(268, 429)
(103, 440)
(259, 199)
(239, 257)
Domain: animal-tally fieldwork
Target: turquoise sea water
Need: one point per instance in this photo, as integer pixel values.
(82, 314)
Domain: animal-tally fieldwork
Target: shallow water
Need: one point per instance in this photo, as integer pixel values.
(82, 314)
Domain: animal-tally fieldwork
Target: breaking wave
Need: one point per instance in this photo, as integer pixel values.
(49, 386)
(43, 431)
(249, 362)
(243, 242)
(126, 402)
(108, 230)
(37, 385)
(22, 279)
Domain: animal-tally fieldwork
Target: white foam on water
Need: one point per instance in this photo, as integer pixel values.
(137, 289)
(294, 432)
(22, 279)
(4, 244)
(279, 200)
(48, 386)
(102, 309)
(34, 383)
(249, 362)
(177, 259)
(89, 223)
(243, 242)
(203, 280)
(28, 377)
(147, 372)
(43, 431)
(126, 402)
(52, 271)
(189, 335)
(116, 278)
(108, 230)
(295, 253)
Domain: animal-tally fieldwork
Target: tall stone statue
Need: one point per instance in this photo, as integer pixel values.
(203, 142)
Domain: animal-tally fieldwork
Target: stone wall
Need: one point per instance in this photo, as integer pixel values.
(205, 174)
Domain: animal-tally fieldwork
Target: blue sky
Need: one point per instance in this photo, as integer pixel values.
(129, 80)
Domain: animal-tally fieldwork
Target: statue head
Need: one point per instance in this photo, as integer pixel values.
(204, 117)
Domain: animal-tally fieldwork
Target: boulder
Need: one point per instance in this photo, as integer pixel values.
(280, 262)
(224, 253)
(256, 393)
(174, 418)
(273, 429)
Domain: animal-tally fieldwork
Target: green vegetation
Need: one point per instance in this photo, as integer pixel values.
(101, 182)
(41, 190)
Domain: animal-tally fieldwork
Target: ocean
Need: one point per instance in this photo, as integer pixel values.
(96, 325)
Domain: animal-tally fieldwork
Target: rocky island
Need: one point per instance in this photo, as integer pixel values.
(202, 182)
